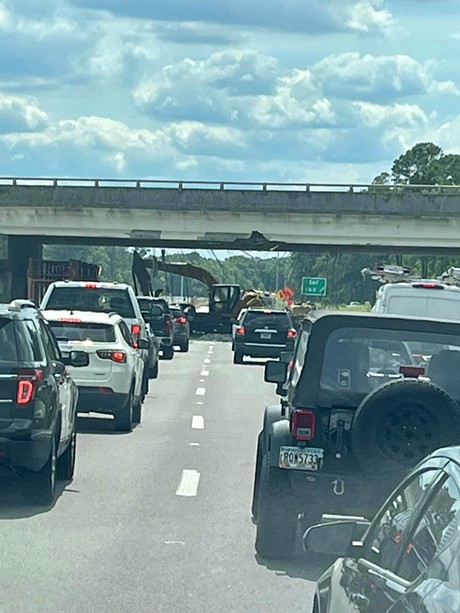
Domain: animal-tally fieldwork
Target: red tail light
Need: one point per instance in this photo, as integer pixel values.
(181, 320)
(115, 356)
(241, 331)
(292, 333)
(91, 285)
(303, 425)
(28, 380)
(412, 372)
(135, 329)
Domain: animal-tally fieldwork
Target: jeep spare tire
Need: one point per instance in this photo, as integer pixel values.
(400, 423)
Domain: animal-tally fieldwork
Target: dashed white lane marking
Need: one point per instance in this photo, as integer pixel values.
(188, 485)
(198, 422)
(204, 373)
(207, 361)
(201, 380)
(174, 542)
(200, 391)
(194, 444)
(200, 403)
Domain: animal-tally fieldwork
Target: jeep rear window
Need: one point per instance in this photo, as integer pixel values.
(99, 299)
(83, 331)
(358, 360)
(259, 318)
(7, 341)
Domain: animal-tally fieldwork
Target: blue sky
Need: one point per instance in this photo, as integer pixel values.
(259, 90)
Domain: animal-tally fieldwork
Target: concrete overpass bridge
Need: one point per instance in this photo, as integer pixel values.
(259, 216)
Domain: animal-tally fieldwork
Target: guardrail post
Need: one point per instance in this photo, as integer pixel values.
(138, 184)
(264, 187)
(96, 183)
(350, 189)
(180, 185)
(307, 188)
(222, 187)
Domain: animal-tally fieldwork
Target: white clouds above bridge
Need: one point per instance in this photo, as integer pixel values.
(285, 91)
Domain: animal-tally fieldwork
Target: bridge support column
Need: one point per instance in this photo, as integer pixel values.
(15, 252)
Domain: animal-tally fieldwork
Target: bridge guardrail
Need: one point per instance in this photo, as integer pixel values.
(222, 185)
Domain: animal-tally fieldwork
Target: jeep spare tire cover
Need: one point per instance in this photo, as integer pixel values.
(400, 423)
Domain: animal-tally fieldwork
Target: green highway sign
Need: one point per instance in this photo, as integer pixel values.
(314, 286)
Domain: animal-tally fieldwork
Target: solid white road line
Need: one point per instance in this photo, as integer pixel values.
(198, 422)
(200, 391)
(188, 485)
(204, 373)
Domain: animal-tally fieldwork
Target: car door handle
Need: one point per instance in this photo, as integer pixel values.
(361, 601)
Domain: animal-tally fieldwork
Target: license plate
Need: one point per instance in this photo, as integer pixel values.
(266, 335)
(301, 458)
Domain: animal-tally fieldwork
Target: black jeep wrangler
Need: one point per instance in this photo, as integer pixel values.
(366, 396)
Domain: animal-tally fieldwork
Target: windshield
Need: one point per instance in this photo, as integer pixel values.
(358, 360)
(443, 304)
(95, 332)
(101, 300)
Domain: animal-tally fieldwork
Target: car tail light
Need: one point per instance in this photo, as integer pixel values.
(428, 285)
(116, 356)
(292, 333)
(412, 372)
(135, 332)
(241, 330)
(91, 285)
(70, 320)
(303, 425)
(181, 320)
(28, 380)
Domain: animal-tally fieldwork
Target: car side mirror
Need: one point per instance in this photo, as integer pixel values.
(275, 372)
(76, 359)
(143, 343)
(59, 367)
(335, 538)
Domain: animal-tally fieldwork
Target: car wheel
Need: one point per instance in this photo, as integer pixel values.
(153, 371)
(137, 411)
(276, 513)
(237, 357)
(400, 423)
(124, 419)
(255, 493)
(40, 487)
(185, 347)
(66, 462)
(168, 353)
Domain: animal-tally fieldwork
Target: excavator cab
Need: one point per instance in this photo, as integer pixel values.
(223, 298)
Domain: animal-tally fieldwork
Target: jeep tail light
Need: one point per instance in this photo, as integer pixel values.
(28, 380)
(240, 331)
(303, 425)
(136, 332)
(115, 356)
(292, 333)
(412, 372)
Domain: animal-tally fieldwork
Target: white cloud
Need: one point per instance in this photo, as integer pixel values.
(369, 16)
(21, 114)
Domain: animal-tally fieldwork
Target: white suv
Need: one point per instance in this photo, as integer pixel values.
(110, 380)
(101, 297)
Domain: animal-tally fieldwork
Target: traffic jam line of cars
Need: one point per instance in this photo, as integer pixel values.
(90, 347)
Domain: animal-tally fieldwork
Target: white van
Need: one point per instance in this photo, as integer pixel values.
(424, 298)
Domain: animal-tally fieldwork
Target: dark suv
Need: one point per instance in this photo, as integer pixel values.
(359, 411)
(263, 333)
(158, 317)
(37, 403)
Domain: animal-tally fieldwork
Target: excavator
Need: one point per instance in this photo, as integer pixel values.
(225, 301)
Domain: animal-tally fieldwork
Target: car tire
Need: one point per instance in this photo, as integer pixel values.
(400, 423)
(185, 347)
(276, 513)
(237, 357)
(137, 412)
(40, 487)
(255, 492)
(168, 353)
(123, 421)
(153, 371)
(66, 462)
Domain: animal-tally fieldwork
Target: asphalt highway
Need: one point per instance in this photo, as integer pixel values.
(157, 520)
